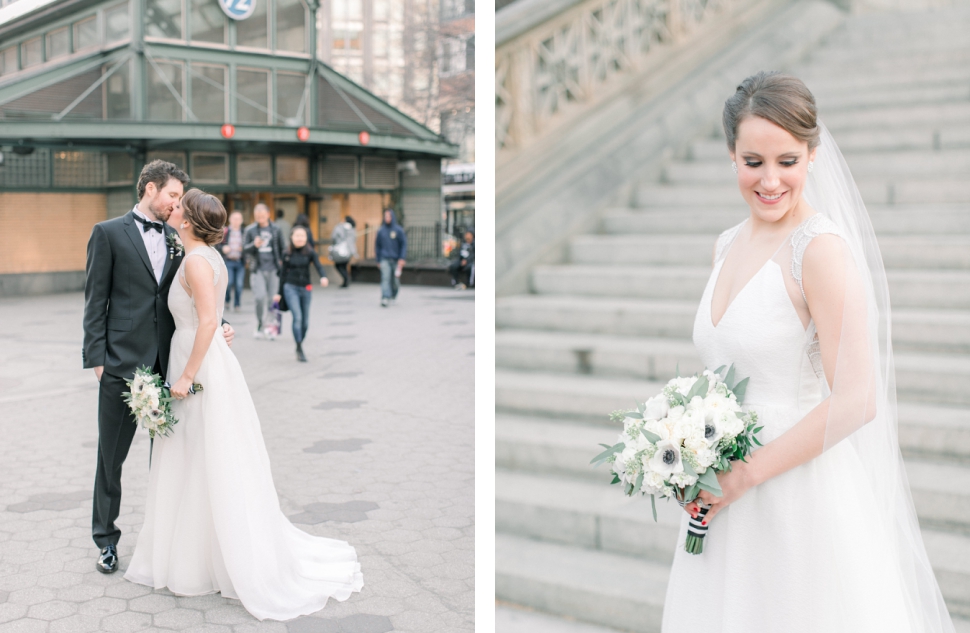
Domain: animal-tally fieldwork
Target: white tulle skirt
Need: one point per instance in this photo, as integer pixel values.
(213, 521)
(799, 553)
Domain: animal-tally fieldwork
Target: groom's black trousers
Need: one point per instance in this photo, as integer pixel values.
(116, 429)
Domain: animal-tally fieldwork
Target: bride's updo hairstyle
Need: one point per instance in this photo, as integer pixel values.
(782, 99)
(206, 215)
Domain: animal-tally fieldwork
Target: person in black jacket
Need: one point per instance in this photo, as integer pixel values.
(295, 277)
(464, 261)
(131, 263)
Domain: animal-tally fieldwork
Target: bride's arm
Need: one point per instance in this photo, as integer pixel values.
(835, 296)
(199, 276)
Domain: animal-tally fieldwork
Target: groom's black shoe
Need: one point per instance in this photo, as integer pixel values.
(108, 562)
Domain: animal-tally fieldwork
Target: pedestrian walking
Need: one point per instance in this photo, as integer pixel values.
(232, 253)
(284, 226)
(297, 289)
(391, 248)
(263, 249)
(464, 262)
(344, 247)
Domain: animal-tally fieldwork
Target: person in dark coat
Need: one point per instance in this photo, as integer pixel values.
(131, 262)
(391, 249)
(463, 262)
(297, 289)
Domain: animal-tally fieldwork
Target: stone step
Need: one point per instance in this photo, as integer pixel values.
(868, 166)
(835, 100)
(579, 520)
(948, 289)
(667, 218)
(853, 142)
(860, 60)
(561, 447)
(913, 329)
(598, 587)
(875, 191)
(578, 397)
(898, 116)
(516, 619)
(933, 378)
(821, 81)
(898, 251)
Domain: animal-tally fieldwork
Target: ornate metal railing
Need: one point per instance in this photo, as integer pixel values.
(543, 70)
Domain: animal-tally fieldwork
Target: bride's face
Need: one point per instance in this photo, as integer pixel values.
(772, 167)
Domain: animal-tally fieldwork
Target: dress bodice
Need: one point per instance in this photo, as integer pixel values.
(182, 305)
(761, 332)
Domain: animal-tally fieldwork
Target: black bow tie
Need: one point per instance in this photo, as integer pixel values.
(148, 225)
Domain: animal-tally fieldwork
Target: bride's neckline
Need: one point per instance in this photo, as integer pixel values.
(720, 265)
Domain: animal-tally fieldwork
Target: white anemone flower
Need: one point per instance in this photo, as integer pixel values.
(713, 429)
(666, 461)
(656, 408)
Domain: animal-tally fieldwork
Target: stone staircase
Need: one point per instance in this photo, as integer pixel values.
(614, 321)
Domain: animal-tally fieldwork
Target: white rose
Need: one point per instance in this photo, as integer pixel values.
(653, 483)
(657, 427)
(656, 408)
(683, 480)
(705, 456)
(731, 423)
(674, 414)
(666, 460)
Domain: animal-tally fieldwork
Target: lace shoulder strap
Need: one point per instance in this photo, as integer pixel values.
(211, 256)
(725, 239)
(800, 239)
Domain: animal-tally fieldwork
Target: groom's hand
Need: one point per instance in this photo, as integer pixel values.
(227, 332)
(98, 371)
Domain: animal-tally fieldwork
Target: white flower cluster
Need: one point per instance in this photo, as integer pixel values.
(148, 404)
(675, 431)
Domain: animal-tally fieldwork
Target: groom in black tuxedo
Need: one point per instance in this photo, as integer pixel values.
(131, 263)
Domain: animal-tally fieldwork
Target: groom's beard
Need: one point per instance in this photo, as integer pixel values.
(163, 211)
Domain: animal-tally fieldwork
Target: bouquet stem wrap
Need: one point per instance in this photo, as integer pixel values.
(696, 531)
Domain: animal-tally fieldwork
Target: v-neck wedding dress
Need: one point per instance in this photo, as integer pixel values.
(770, 558)
(212, 518)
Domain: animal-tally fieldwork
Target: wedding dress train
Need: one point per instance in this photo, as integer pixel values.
(212, 519)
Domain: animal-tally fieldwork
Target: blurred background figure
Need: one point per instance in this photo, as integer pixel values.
(391, 247)
(304, 221)
(263, 248)
(463, 265)
(297, 289)
(284, 226)
(232, 252)
(344, 247)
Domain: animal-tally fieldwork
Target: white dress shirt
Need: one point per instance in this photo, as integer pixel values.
(154, 244)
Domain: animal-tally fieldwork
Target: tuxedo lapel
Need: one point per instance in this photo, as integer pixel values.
(132, 229)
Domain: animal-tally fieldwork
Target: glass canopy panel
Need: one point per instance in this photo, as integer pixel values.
(209, 93)
(58, 43)
(290, 26)
(117, 93)
(252, 96)
(8, 61)
(86, 33)
(163, 18)
(116, 23)
(207, 22)
(162, 102)
(254, 30)
(289, 95)
(31, 53)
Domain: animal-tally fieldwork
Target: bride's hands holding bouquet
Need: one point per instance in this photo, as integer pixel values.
(181, 388)
(733, 484)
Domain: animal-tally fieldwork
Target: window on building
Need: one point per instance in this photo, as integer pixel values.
(116, 23)
(58, 43)
(78, 169)
(117, 93)
(207, 22)
(162, 103)
(176, 158)
(210, 168)
(252, 96)
(253, 169)
(163, 18)
(31, 53)
(347, 39)
(292, 170)
(289, 95)
(254, 30)
(119, 169)
(8, 61)
(470, 53)
(209, 93)
(86, 33)
(291, 26)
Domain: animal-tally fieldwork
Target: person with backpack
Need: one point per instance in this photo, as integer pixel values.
(344, 247)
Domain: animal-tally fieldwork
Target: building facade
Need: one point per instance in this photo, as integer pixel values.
(230, 90)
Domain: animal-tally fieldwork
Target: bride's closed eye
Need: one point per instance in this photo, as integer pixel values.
(786, 163)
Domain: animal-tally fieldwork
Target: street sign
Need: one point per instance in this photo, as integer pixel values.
(238, 9)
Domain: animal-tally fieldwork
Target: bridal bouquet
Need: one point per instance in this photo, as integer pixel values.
(675, 443)
(150, 400)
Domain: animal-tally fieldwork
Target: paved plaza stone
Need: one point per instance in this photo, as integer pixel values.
(371, 441)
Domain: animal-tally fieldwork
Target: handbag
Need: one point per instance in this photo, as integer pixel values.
(340, 252)
(281, 306)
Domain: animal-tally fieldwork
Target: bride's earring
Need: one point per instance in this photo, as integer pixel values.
(811, 164)
(183, 224)
(734, 166)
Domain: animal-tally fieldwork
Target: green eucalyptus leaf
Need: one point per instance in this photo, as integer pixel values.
(720, 369)
(608, 452)
(699, 388)
(653, 437)
(638, 483)
(688, 468)
(708, 481)
(729, 379)
(616, 479)
(635, 415)
(739, 390)
(653, 506)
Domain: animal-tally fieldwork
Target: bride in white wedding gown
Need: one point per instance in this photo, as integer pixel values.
(816, 532)
(212, 520)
